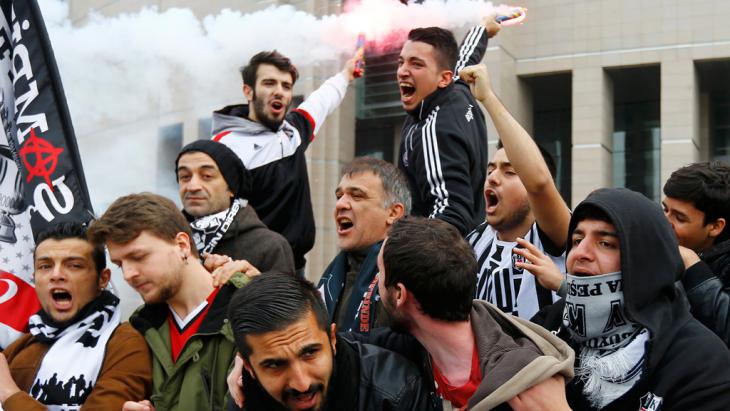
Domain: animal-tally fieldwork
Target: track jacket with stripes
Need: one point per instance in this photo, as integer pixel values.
(443, 150)
(277, 162)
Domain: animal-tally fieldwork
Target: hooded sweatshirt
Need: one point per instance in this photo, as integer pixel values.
(276, 160)
(686, 366)
(513, 354)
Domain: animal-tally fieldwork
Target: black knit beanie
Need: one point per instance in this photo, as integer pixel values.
(230, 165)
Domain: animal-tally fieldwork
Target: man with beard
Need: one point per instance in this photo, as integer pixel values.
(271, 142)
(523, 207)
(637, 346)
(294, 361)
(444, 139)
(479, 357)
(697, 204)
(371, 196)
(77, 355)
(183, 319)
(214, 187)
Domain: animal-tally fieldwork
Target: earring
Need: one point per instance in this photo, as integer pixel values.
(185, 259)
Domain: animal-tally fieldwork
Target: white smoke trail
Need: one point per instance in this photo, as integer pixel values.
(125, 76)
(137, 64)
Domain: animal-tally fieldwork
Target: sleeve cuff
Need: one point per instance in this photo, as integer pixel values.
(697, 274)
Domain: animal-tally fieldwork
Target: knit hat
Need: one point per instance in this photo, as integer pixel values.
(236, 175)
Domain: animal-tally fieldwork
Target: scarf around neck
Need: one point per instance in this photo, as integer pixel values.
(71, 366)
(612, 350)
(208, 230)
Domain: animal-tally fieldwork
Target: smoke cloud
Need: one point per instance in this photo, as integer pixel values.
(128, 75)
(134, 65)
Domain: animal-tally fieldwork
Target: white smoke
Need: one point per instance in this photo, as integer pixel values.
(127, 75)
(138, 64)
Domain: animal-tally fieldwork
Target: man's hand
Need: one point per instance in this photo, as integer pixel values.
(689, 257)
(138, 406)
(235, 382)
(548, 395)
(491, 25)
(349, 69)
(8, 386)
(478, 79)
(222, 268)
(541, 266)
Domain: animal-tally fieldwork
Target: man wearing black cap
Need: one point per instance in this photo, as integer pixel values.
(214, 186)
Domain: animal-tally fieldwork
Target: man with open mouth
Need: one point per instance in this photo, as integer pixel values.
(524, 210)
(271, 142)
(443, 148)
(293, 360)
(371, 196)
(77, 354)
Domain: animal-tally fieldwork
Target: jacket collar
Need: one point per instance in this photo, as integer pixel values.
(235, 118)
(154, 315)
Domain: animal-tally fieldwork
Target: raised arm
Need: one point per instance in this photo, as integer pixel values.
(551, 212)
(325, 100)
(475, 43)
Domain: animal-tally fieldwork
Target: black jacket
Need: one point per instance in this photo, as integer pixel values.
(365, 378)
(443, 150)
(707, 284)
(687, 367)
(281, 195)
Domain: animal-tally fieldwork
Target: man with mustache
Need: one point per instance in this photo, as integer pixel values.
(272, 142)
(294, 361)
(183, 319)
(214, 190)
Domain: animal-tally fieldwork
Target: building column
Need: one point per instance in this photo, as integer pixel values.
(679, 115)
(333, 146)
(592, 128)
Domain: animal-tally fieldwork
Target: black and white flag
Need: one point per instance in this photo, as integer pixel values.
(41, 178)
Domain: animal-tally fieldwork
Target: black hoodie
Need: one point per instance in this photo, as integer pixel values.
(687, 367)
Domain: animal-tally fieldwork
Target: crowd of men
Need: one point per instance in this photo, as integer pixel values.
(463, 281)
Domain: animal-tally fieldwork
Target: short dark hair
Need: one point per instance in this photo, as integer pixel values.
(273, 301)
(443, 42)
(128, 216)
(546, 157)
(395, 185)
(434, 262)
(73, 229)
(707, 186)
(276, 59)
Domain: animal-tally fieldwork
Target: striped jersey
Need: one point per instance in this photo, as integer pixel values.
(512, 289)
